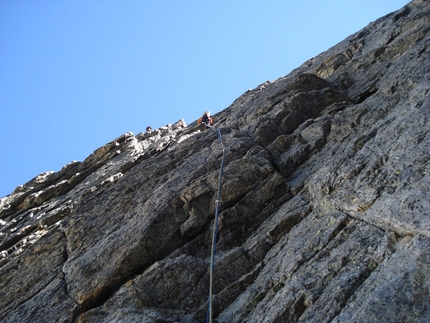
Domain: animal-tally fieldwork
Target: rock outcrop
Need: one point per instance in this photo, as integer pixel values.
(324, 215)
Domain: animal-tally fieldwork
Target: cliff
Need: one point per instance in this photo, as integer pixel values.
(324, 216)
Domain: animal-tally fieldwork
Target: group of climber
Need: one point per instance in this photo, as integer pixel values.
(205, 120)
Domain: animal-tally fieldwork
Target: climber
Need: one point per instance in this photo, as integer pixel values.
(149, 129)
(206, 119)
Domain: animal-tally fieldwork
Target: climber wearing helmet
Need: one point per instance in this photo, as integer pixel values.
(206, 119)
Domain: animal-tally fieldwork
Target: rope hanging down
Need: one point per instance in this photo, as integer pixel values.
(215, 230)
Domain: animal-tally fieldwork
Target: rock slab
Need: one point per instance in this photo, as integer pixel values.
(324, 214)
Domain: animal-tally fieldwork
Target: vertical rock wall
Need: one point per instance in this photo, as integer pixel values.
(324, 213)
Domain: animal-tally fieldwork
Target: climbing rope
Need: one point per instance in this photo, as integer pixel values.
(215, 229)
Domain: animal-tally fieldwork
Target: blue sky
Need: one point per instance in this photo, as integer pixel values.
(75, 75)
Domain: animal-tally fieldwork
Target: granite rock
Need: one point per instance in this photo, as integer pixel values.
(324, 214)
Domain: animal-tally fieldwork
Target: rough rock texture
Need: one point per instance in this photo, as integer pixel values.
(324, 215)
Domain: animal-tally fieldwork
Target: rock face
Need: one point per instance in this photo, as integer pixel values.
(325, 213)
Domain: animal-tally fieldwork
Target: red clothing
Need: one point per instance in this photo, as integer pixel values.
(206, 120)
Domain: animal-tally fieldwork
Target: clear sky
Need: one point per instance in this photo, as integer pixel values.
(75, 75)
